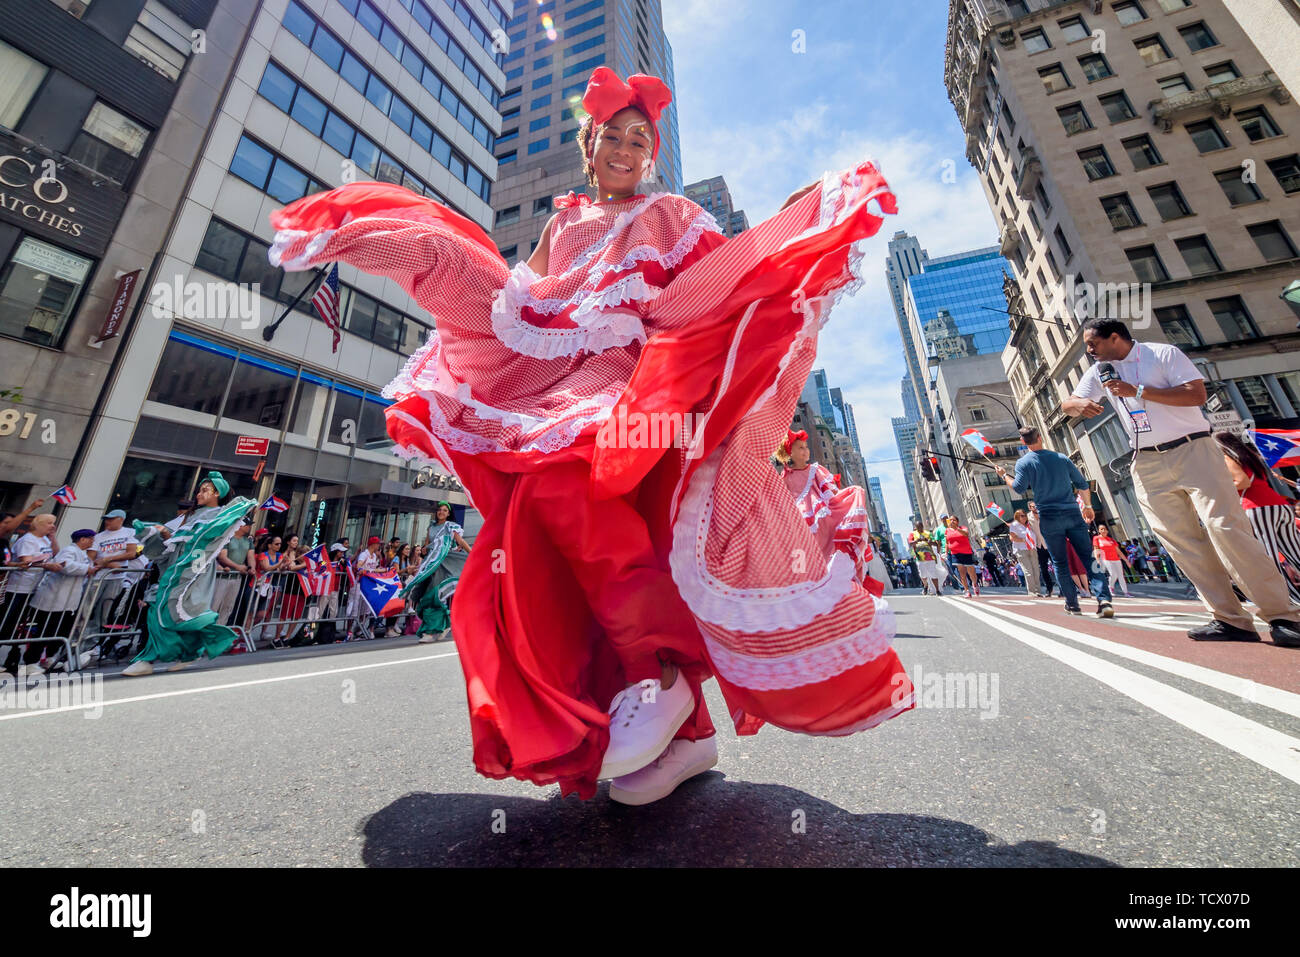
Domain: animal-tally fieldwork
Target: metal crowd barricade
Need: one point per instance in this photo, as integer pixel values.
(111, 615)
(279, 610)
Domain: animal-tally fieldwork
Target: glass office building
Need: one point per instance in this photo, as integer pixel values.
(969, 287)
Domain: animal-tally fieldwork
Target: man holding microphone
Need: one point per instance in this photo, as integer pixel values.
(1181, 481)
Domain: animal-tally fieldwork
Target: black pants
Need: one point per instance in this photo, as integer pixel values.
(11, 618)
(1045, 571)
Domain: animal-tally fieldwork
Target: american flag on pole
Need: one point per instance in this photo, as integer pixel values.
(64, 495)
(326, 302)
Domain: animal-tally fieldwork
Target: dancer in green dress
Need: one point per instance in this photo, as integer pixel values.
(434, 583)
(181, 622)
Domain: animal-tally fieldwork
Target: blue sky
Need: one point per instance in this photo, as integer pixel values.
(770, 120)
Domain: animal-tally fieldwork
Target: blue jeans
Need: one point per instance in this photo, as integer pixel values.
(1068, 526)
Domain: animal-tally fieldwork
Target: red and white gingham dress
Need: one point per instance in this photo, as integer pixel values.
(600, 546)
(837, 517)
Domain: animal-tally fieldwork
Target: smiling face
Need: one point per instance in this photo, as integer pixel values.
(206, 495)
(622, 153)
(800, 454)
(442, 514)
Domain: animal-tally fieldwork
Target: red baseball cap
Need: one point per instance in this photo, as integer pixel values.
(374, 540)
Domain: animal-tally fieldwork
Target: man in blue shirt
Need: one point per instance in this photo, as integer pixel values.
(1055, 479)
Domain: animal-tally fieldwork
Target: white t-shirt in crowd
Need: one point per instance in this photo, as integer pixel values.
(24, 582)
(1020, 535)
(1155, 365)
(119, 545)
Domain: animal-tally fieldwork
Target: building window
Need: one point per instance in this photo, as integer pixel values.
(1017, 8)
(1178, 326)
(1074, 118)
(510, 252)
(192, 375)
(1035, 41)
(1066, 252)
(505, 158)
(109, 142)
(539, 102)
(1117, 107)
(1041, 195)
(1173, 6)
(977, 413)
(1006, 115)
(161, 39)
(568, 136)
(538, 145)
(1207, 136)
(1175, 85)
(1096, 163)
(1142, 152)
(39, 289)
(1287, 171)
(1129, 13)
(1120, 211)
(542, 81)
(1273, 242)
(1256, 395)
(1152, 50)
(1233, 319)
(1222, 72)
(1236, 188)
(541, 205)
(1095, 67)
(539, 123)
(20, 77)
(1198, 37)
(1054, 78)
(507, 216)
(1257, 124)
(1146, 264)
(1074, 29)
(1169, 201)
(1199, 255)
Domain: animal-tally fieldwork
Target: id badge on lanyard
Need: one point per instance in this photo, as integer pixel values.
(1141, 422)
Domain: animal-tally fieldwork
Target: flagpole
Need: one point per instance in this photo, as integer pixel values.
(269, 332)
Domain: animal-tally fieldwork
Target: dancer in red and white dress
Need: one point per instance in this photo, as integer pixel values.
(837, 516)
(627, 563)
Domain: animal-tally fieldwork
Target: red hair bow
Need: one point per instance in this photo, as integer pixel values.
(572, 199)
(607, 94)
(791, 438)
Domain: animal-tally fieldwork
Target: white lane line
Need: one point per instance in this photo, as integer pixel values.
(1271, 749)
(221, 687)
(1276, 698)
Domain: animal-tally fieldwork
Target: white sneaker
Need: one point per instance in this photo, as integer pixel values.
(139, 668)
(642, 720)
(681, 760)
(87, 657)
(428, 639)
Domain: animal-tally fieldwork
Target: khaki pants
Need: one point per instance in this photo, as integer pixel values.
(1188, 496)
(1029, 562)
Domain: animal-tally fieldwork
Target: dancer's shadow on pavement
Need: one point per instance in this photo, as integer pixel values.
(708, 822)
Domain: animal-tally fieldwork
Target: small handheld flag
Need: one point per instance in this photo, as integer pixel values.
(1280, 447)
(275, 504)
(995, 509)
(318, 577)
(975, 439)
(379, 590)
(326, 302)
(64, 495)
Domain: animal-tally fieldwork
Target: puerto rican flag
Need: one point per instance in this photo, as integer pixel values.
(318, 577)
(380, 590)
(275, 504)
(351, 572)
(975, 439)
(64, 495)
(1280, 447)
(994, 508)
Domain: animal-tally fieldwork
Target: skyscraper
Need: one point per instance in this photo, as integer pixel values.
(553, 49)
(321, 93)
(714, 196)
(878, 496)
(907, 259)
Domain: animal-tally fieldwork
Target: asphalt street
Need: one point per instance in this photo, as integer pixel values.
(1041, 740)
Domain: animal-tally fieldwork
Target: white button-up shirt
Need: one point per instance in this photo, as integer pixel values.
(1156, 365)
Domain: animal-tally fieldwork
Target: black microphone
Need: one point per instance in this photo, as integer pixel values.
(1106, 373)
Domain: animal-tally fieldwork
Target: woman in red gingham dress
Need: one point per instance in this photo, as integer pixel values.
(837, 516)
(609, 406)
